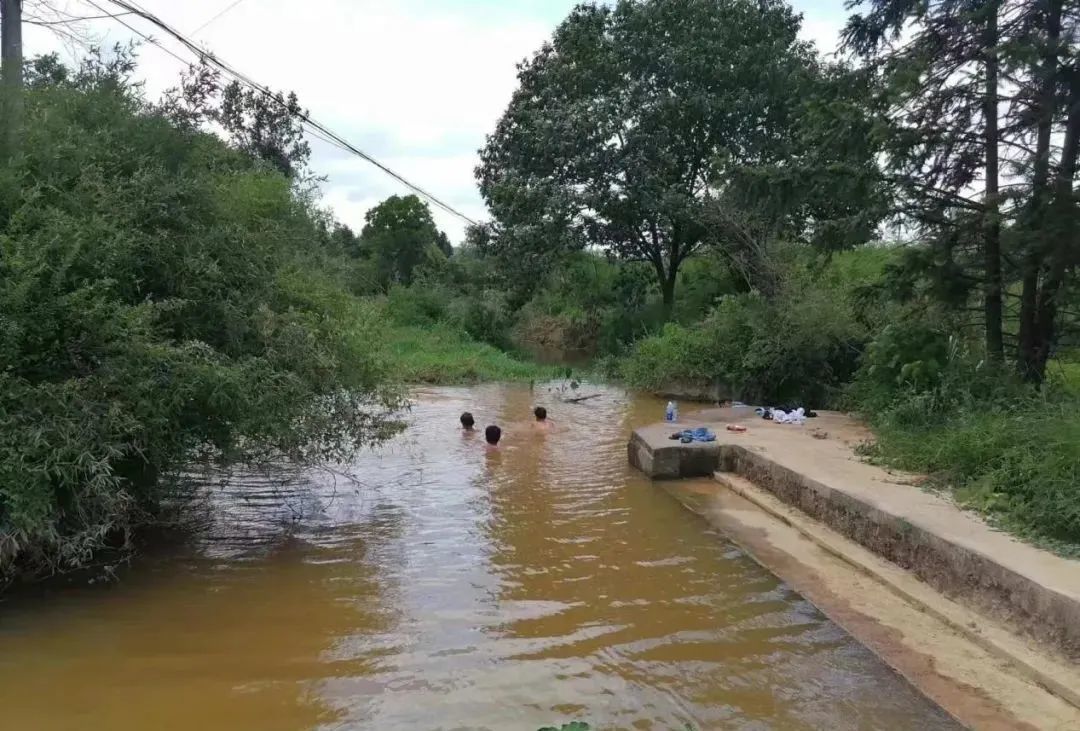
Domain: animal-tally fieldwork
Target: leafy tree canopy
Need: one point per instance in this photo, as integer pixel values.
(401, 235)
(634, 121)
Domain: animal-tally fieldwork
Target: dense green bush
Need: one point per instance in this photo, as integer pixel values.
(444, 355)
(419, 305)
(483, 315)
(800, 350)
(803, 344)
(160, 295)
(590, 305)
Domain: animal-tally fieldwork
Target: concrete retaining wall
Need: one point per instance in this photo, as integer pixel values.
(953, 570)
(1036, 593)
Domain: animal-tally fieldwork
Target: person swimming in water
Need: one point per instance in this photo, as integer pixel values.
(467, 421)
(542, 422)
(492, 435)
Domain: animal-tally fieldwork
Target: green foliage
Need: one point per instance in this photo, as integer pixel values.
(483, 316)
(990, 196)
(401, 237)
(907, 354)
(445, 355)
(263, 126)
(455, 299)
(1004, 448)
(1017, 460)
(416, 306)
(162, 296)
(572, 726)
(1064, 375)
(703, 282)
(803, 344)
(589, 305)
(626, 124)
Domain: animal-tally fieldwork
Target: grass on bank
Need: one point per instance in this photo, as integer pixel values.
(1064, 376)
(445, 356)
(1020, 467)
(1001, 448)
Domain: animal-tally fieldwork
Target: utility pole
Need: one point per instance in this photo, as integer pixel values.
(11, 71)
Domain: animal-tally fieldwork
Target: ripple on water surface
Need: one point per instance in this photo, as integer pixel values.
(440, 585)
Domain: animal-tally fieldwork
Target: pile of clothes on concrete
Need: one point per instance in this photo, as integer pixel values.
(786, 414)
(687, 436)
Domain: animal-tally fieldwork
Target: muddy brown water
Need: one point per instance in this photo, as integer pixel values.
(453, 588)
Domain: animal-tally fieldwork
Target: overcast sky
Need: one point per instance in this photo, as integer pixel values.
(415, 83)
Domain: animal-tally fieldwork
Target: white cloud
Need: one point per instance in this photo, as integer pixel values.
(416, 83)
(823, 20)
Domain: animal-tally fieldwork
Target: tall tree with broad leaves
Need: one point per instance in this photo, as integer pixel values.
(821, 187)
(401, 235)
(625, 123)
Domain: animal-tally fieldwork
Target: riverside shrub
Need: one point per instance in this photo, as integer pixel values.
(797, 348)
(161, 296)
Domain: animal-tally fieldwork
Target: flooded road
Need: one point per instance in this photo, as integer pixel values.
(449, 587)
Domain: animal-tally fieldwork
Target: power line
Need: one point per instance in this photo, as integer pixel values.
(230, 71)
(153, 41)
(208, 57)
(149, 39)
(210, 22)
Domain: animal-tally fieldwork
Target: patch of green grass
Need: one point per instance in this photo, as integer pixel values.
(1017, 463)
(1064, 375)
(445, 356)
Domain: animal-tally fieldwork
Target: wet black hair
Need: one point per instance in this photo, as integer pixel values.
(467, 421)
(492, 434)
(540, 413)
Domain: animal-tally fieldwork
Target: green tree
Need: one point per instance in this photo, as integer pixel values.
(159, 304)
(982, 129)
(401, 235)
(265, 126)
(820, 187)
(344, 240)
(941, 87)
(1049, 224)
(442, 241)
(623, 125)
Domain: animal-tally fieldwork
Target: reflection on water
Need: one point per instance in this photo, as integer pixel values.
(444, 586)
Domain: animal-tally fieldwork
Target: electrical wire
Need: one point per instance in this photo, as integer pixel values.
(325, 133)
(210, 22)
(149, 39)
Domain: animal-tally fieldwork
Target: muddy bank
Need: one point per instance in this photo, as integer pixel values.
(701, 392)
(1033, 591)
